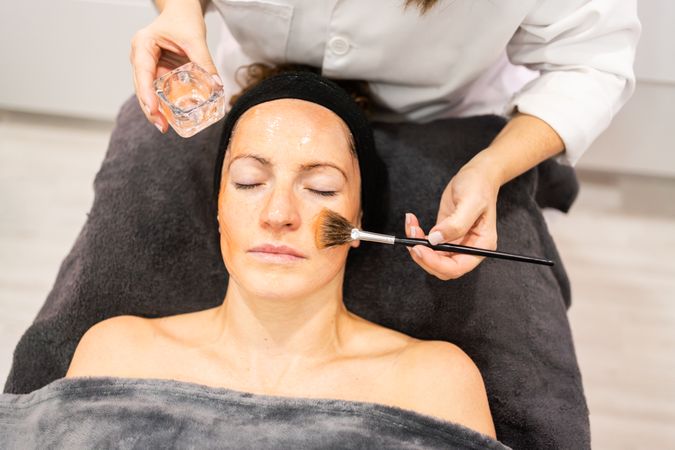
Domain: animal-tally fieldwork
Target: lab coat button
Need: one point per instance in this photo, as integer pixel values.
(338, 45)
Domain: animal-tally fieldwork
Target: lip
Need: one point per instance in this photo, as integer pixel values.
(276, 253)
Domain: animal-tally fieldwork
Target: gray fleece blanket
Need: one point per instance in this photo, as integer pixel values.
(150, 248)
(102, 413)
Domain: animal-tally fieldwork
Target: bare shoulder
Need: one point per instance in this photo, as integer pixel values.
(443, 381)
(378, 339)
(108, 346)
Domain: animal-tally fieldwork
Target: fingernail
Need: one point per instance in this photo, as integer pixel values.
(217, 79)
(435, 238)
(159, 127)
(417, 252)
(408, 218)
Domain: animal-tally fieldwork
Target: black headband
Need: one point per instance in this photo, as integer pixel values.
(314, 88)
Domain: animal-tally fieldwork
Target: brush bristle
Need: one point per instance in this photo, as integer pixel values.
(332, 229)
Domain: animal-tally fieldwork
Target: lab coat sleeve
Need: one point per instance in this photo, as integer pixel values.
(584, 51)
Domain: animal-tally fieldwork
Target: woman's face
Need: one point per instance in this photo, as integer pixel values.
(288, 159)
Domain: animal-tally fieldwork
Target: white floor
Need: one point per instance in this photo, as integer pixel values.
(617, 244)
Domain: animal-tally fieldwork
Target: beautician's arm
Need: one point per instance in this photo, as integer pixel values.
(176, 36)
(584, 51)
(468, 210)
(523, 143)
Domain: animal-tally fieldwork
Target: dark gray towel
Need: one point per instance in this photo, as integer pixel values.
(102, 413)
(149, 248)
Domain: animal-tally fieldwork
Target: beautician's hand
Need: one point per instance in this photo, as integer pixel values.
(175, 37)
(467, 216)
(468, 211)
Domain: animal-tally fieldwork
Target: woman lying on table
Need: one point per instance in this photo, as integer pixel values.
(292, 146)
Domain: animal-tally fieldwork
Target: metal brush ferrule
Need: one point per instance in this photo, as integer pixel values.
(359, 235)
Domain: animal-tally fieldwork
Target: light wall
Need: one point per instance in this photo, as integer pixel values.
(641, 139)
(71, 57)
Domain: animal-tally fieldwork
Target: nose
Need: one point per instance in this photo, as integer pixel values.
(280, 211)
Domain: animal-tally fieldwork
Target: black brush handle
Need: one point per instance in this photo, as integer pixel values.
(456, 248)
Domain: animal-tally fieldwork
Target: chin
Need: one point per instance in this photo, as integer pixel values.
(274, 284)
(283, 280)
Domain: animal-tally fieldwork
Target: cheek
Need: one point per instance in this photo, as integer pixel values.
(235, 218)
(353, 210)
(327, 264)
(334, 258)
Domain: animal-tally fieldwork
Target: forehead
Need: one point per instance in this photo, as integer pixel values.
(290, 124)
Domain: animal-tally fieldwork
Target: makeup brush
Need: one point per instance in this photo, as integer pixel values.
(333, 229)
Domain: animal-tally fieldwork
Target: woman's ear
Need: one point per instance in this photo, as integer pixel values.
(355, 244)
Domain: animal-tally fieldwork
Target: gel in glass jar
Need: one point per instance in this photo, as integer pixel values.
(190, 99)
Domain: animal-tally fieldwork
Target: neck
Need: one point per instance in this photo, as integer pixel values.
(270, 338)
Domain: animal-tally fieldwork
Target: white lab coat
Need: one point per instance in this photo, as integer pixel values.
(463, 57)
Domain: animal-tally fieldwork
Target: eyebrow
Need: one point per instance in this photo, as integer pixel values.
(303, 167)
(314, 165)
(260, 159)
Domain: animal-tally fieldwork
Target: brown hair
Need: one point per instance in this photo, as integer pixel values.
(423, 5)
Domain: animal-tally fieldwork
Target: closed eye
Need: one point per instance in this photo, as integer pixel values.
(246, 186)
(322, 193)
